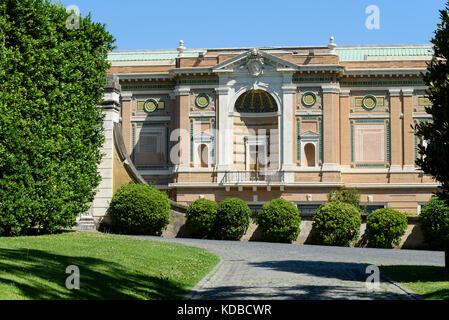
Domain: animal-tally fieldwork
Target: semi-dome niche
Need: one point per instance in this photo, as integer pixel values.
(256, 101)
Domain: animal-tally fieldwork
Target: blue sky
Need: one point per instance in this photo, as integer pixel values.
(150, 24)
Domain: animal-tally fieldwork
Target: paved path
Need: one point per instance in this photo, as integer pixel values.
(257, 270)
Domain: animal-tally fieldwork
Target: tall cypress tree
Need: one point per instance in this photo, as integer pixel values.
(51, 81)
(434, 158)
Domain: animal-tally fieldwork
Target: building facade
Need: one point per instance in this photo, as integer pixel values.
(290, 122)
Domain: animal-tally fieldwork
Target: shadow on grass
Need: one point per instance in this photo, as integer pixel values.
(41, 275)
(429, 278)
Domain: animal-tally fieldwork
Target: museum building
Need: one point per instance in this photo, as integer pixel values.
(290, 122)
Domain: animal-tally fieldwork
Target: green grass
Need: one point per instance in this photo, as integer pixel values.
(111, 267)
(430, 282)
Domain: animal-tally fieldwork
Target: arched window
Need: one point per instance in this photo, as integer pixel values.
(309, 152)
(203, 155)
(254, 101)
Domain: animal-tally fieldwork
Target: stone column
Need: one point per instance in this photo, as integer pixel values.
(409, 134)
(396, 130)
(225, 136)
(183, 124)
(111, 110)
(288, 166)
(331, 132)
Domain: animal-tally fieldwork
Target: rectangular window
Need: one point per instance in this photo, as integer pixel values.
(308, 208)
(255, 207)
(369, 208)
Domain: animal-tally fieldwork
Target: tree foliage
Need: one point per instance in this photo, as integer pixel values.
(434, 157)
(336, 224)
(139, 209)
(346, 195)
(201, 215)
(232, 220)
(385, 227)
(51, 81)
(279, 220)
(434, 220)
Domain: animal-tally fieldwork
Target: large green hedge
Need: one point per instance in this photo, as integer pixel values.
(434, 220)
(201, 215)
(233, 219)
(139, 209)
(385, 227)
(51, 82)
(336, 224)
(279, 221)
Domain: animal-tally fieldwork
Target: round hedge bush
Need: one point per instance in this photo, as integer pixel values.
(139, 209)
(201, 216)
(336, 224)
(385, 227)
(233, 218)
(279, 221)
(434, 220)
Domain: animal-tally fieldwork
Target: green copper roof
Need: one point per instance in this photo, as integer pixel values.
(360, 53)
(147, 56)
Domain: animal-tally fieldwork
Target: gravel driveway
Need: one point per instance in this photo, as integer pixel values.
(258, 270)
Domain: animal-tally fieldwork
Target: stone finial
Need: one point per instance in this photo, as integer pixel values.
(332, 45)
(112, 83)
(181, 48)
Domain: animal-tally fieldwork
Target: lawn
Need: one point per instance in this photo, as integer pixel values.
(430, 282)
(111, 267)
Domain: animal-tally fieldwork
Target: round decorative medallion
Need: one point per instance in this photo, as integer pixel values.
(202, 101)
(308, 99)
(150, 105)
(369, 102)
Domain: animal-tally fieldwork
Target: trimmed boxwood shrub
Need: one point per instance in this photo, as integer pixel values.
(201, 216)
(233, 218)
(434, 220)
(139, 209)
(279, 221)
(385, 227)
(336, 224)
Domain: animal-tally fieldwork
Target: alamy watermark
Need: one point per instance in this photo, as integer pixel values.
(372, 283)
(73, 20)
(372, 22)
(73, 280)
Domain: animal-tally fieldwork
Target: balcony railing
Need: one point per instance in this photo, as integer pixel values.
(253, 176)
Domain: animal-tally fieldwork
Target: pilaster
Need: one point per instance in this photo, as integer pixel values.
(182, 163)
(409, 134)
(331, 132)
(288, 166)
(396, 130)
(225, 137)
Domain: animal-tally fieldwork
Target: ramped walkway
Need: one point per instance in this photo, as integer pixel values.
(258, 270)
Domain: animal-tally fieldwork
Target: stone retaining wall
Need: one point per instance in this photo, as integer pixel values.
(412, 239)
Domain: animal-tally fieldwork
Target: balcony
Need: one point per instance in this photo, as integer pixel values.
(253, 176)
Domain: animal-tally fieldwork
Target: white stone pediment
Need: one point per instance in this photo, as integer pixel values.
(255, 62)
(310, 135)
(202, 137)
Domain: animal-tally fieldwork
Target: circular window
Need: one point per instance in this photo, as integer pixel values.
(202, 101)
(308, 99)
(150, 105)
(369, 102)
